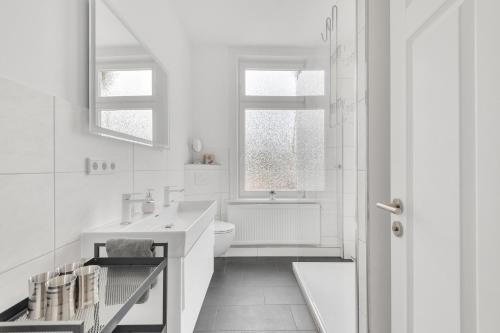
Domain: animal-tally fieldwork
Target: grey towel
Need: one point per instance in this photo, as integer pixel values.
(129, 248)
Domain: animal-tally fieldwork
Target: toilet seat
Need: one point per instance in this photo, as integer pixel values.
(221, 227)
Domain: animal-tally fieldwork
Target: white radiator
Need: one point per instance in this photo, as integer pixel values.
(276, 223)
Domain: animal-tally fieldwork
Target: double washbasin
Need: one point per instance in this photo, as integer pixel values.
(179, 225)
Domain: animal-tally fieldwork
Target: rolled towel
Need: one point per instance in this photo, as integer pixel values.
(129, 248)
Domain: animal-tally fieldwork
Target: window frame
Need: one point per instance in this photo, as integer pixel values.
(155, 102)
(269, 103)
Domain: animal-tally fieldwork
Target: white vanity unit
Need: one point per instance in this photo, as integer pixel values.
(187, 227)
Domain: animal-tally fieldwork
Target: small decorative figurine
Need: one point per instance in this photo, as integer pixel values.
(208, 159)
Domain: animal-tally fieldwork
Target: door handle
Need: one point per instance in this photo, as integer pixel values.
(395, 207)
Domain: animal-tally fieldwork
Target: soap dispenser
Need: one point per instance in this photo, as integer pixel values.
(148, 206)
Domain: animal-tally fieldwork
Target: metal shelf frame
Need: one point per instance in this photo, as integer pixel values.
(9, 319)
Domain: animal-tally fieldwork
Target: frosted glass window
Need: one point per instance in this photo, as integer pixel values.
(284, 150)
(114, 83)
(138, 123)
(284, 83)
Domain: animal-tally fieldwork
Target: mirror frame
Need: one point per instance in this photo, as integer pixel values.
(94, 128)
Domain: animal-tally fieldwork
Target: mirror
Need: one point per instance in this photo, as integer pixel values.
(127, 85)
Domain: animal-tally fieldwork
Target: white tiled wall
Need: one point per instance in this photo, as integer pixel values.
(208, 182)
(47, 197)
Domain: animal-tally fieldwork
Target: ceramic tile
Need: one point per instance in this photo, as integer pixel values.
(85, 201)
(68, 253)
(156, 181)
(302, 317)
(266, 278)
(329, 223)
(349, 158)
(331, 158)
(175, 178)
(177, 155)
(349, 181)
(349, 228)
(28, 218)
(254, 317)
(206, 319)
(319, 251)
(349, 204)
(74, 143)
(346, 89)
(331, 181)
(284, 332)
(278, 251)
(148, 158)
(14, 283)
(349, 130)
(330, 136)
(224, 197)
(229, 295)
(227, 279)
(26, 129)
(207, 196)
(241, 252)
(283, 295)
(349, 249)
(330, 242)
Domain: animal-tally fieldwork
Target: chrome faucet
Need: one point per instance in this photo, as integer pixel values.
(128, 207)
(166, 194)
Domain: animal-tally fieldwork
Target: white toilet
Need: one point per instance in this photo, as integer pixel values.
(224, 235)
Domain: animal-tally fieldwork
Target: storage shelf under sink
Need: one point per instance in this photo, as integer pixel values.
(122, 282)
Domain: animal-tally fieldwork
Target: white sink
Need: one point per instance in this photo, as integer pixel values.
(188, 220)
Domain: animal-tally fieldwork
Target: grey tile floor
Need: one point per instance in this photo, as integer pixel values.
(254, 295)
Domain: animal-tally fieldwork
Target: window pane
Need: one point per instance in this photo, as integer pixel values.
(310, 148)
(284, 150)
(126, 83)
(284, 83)
(138, 123)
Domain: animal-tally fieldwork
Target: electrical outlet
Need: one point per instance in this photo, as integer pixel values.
(100, 167)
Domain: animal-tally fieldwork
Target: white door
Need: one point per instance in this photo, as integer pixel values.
(432, 107)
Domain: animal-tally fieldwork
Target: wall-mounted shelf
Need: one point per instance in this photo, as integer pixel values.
(122, 282)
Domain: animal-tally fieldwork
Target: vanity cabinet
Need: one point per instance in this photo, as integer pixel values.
(190, 260)
(193, 274)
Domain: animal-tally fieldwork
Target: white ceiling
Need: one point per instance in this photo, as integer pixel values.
(255, 22)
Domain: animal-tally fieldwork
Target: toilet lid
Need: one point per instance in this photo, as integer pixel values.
(223, 227)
